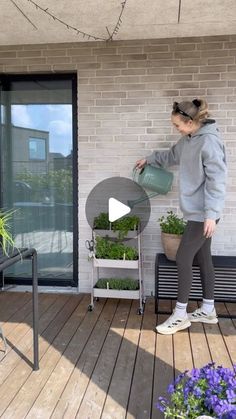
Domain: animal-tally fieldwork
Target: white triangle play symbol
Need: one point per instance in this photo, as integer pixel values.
(116, 209)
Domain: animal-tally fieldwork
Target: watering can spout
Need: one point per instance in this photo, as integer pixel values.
(155, 179)
(132, 203)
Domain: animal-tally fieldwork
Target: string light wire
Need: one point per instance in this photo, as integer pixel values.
(79, 32)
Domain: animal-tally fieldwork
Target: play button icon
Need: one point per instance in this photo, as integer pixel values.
(115, 198)
(117, 210)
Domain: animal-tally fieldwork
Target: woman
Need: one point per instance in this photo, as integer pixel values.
(200, 155)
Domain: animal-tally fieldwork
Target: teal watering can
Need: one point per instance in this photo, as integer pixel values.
(155, 179)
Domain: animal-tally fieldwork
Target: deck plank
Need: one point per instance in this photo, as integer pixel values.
(74, 391)
(10, 306)
(20, 340)
(94, 398)
(163, 369)
(199, 345)
(21, 372)
(217, 345)
(79, 325)
(117, 398)
(183, 358)
(34, 383)
(140, 402)
(106, 364)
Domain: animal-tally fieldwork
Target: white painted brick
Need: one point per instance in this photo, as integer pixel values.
(125, 92)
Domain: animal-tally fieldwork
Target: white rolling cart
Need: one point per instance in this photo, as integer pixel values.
(96, 293)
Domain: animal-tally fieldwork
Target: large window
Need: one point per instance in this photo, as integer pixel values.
(39, 173)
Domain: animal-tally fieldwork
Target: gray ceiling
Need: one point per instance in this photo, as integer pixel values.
(22, 23)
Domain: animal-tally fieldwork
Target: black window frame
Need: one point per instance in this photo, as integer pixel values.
(5, 82)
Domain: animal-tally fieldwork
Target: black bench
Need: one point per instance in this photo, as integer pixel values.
(14, 257)
(166, 283)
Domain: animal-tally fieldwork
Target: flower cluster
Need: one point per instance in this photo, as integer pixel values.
(210, 390)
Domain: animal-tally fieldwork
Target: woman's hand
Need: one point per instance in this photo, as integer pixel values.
(209, 228)
(140, 163)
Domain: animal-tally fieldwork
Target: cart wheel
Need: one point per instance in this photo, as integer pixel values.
(140, 311)
(90, 307)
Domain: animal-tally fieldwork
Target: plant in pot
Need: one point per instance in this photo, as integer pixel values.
(172, 228)
(207, 392)
(108, 249)
(128, 284)
(6, 239)
(122, 225)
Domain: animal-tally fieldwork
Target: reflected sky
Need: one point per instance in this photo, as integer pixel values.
(56, 119)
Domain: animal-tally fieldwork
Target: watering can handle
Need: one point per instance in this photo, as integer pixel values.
(134, 174)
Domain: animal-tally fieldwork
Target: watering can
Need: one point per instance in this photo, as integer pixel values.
(155, 179)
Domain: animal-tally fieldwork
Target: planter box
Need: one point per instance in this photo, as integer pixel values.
(108, 293)
(113, 263)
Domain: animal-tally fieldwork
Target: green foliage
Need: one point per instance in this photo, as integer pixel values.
(108, 249)
(123, 225)
(101, 222)
(57, 183)
(172, 224)
(117, 284)
(6, 238)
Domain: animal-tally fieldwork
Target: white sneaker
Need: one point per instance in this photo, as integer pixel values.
(173, 324)
(200, 316)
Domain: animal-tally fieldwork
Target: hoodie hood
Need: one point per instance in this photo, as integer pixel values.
(209, 127)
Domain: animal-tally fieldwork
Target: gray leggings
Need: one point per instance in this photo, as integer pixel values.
(194, 246)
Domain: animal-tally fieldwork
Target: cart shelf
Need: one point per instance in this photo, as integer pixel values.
(97, 263)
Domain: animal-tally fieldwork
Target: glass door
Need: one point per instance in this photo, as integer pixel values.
(39, 173)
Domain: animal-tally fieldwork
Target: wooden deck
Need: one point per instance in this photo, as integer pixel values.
(102, 364)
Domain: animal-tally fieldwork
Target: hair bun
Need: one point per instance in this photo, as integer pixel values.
(197, 103)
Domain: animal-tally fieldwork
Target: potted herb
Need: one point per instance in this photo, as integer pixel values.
(123, 226)
(6, 239)
(172, 227)
(114, 253)
(117, 288)
(207, 392)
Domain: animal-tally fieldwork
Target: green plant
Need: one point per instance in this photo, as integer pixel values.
(54, 183)
(117, 284)
(172, 223)
(210, 390)
(6, 238)
(108, 249)
(101, 222)
(123, 225)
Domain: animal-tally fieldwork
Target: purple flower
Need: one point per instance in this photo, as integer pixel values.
(222, 407)
(171, 388)
(161, 407)
(180, 377)
(231, 395)
(210, 389)
(196, 373)
(197, 392)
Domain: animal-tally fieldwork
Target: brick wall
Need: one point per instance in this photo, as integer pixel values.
(125, 93)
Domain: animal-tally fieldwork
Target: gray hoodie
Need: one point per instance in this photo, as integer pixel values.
(202, 172)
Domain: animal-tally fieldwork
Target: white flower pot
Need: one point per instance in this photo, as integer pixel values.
(205, 417)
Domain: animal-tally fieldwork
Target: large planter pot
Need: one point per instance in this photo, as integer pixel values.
(170, 243)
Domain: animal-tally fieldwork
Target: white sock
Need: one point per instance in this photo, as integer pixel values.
(181, 309)
(207, 305)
